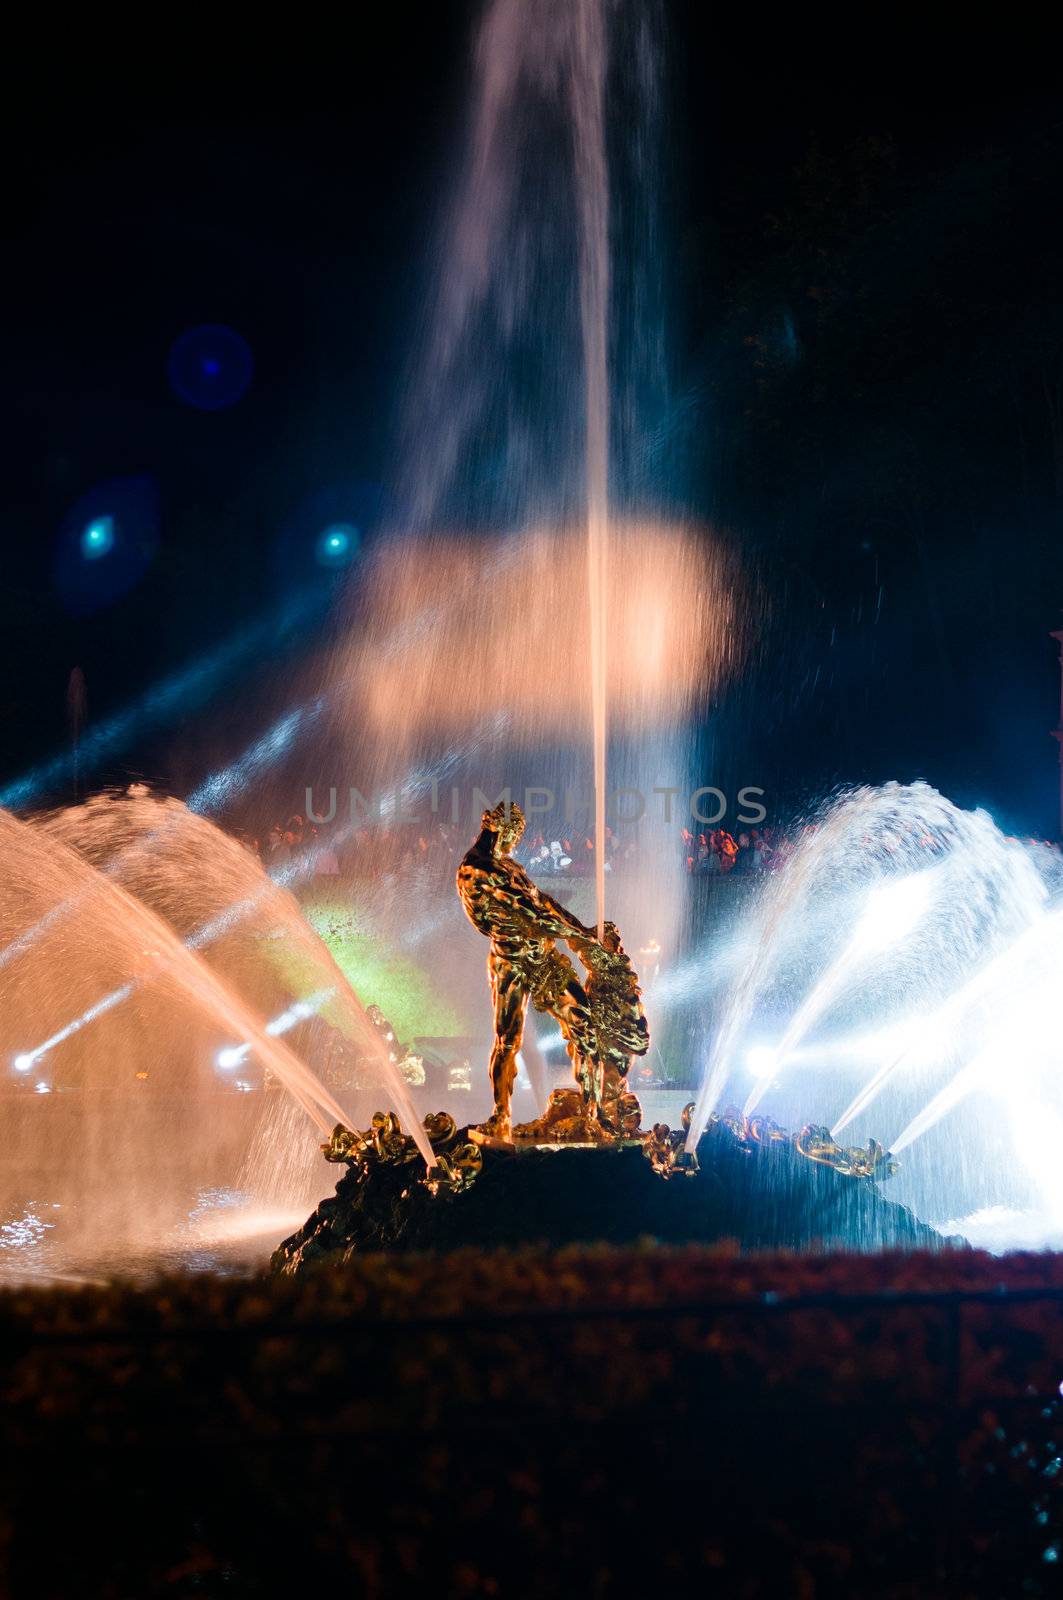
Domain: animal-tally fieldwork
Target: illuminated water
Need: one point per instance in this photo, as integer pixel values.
(224, 1231)
(218, 898)
(591, 169)
(529, 588)
(898, 979)
(537, 620)
(543, 375)
(155, 985)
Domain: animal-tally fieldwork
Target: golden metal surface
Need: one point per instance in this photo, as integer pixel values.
(601, 1020)
(456, 1166)
(603, 1024)
(569, 1119)
(346, 1144)
(813, 1142)
(440, 1128)
(851, 1160)
(619, 1026)
(664, 1150)
(409, 1063)
(454, 1170)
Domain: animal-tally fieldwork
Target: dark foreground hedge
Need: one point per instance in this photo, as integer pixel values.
(596, 1422)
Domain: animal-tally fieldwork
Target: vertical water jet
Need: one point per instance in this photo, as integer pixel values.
(592, 193)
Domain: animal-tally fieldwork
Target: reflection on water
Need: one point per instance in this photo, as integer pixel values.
(224, 1231)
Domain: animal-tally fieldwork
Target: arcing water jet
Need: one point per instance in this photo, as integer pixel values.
(947, 1002)
(112, 929)
(217, 897)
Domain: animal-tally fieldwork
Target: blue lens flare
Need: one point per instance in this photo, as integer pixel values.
(97, 538)
(106, 543)
(210, 367)
(338, 544)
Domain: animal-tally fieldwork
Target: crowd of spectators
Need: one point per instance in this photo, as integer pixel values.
(330, 851)
(719, 851)
(436, 849)
(714, 851)
(324, 850)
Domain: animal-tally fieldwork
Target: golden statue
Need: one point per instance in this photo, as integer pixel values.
(619, 1026)
(602, 1024)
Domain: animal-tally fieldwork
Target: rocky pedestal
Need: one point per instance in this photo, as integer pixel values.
(761, 1195)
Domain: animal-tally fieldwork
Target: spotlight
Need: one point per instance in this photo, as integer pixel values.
(760, 1060)
(232, 1057)
(108, 1002)
(97, 538)
(43, 1088)
(337, 544)
(235, 1055)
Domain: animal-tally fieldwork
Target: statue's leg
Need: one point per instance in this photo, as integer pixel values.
(535, 1062)
(511, 1004)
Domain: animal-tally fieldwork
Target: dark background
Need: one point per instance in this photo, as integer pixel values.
(866, 253)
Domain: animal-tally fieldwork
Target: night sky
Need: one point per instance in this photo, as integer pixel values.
(866, 256)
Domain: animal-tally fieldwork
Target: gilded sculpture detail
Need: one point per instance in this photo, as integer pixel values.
(600, 1017)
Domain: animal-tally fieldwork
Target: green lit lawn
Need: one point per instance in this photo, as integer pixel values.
(380, 975)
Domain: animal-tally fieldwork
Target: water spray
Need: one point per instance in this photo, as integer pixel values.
(235, 1055)
(891, 912)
